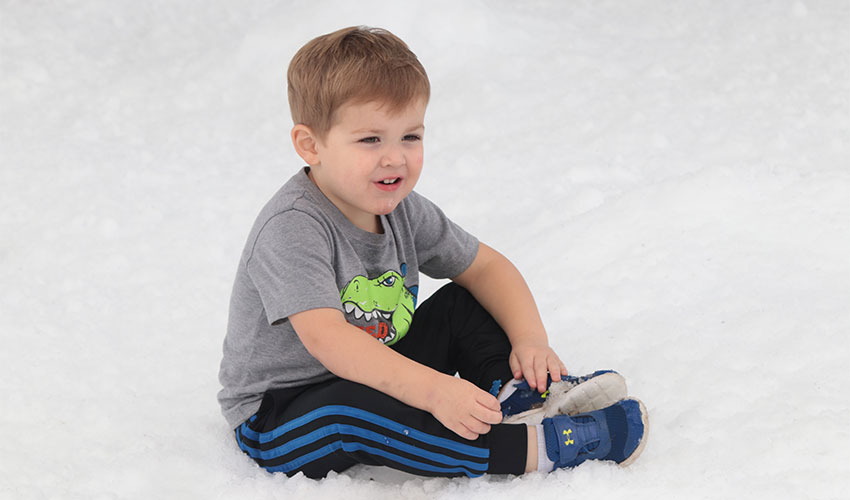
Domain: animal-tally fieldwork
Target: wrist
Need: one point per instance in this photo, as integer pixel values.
(433, 391)
(531, 331)
(531, 339)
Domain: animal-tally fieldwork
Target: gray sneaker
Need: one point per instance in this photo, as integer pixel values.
(570, 396)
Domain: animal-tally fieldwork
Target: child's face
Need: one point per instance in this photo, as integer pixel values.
(370, 160)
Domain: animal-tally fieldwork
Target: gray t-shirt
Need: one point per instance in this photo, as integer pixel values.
(303, 254)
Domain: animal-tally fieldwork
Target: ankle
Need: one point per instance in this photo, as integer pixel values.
(538, 457)
(531, 458)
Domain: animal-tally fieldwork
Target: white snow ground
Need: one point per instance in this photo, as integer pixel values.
(673, 178)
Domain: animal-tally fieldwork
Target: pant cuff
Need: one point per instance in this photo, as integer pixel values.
(508, 449)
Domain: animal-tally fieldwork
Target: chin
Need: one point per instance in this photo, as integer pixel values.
(385, 211)
(386, 208)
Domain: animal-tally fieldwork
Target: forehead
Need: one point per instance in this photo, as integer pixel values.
(375, 113)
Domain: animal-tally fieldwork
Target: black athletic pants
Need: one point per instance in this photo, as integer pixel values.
(336, 424)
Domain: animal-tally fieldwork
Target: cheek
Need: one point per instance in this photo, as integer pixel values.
(414, 169)
(416, 158)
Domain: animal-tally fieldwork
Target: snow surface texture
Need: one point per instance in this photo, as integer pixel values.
(671, 177)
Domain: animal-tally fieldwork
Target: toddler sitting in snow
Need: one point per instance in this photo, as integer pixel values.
(328, 360)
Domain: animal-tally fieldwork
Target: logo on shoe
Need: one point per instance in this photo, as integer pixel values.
(569, 440)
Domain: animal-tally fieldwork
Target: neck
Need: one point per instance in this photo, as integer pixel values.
(370, 224)
(374, 227)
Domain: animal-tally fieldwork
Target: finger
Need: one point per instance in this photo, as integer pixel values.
(555, 366)
(487, 415)
(467, 433)
(477, 426)
(513, 362)
(462, 431)
(540, 373)
(528, 373)
(491, 405)
(489, 401)
(493, 418)
(560, 367)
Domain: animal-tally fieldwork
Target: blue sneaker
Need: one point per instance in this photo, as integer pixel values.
(617, 433)
(570, 396)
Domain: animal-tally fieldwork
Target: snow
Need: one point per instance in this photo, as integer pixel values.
(671, 177)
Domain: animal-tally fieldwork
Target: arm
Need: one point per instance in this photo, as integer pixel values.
(352, 354)
(494, 281)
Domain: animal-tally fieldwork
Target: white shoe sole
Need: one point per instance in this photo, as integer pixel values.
(568, 399)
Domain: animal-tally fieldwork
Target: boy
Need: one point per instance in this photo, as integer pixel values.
(326, 365)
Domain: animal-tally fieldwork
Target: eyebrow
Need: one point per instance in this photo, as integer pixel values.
(378, 131)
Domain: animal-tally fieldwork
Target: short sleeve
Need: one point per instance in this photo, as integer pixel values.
(291, 266)
(443, 248)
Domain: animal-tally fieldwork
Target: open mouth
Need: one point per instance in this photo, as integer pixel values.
(389, 184)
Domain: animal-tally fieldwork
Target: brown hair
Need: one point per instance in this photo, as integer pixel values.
(357, 64)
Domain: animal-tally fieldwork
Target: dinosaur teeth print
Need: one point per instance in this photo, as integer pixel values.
(381, 306)
(351, 307)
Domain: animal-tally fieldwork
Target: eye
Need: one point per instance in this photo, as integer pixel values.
(389, 282)
(412, 138)
(370, 140)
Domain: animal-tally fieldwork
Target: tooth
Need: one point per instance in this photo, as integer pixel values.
(358, 313)
(349, 307)
(368, 316)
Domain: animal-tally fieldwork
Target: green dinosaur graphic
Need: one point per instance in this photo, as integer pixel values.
(384, 299)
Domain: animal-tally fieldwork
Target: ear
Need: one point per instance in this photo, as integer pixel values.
(306, 144)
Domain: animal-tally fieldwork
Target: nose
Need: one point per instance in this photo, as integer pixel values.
(393, 156)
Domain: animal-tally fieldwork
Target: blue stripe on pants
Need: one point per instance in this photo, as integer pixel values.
(453, 465)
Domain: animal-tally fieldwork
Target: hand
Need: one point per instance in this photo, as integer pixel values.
(535, 361)
(464, 408)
